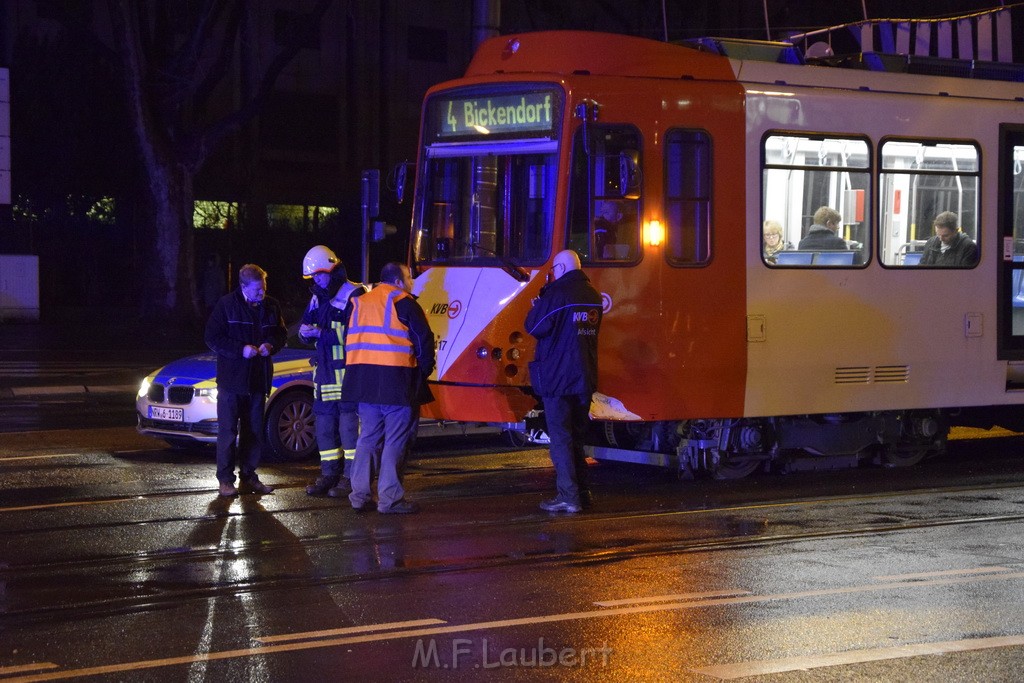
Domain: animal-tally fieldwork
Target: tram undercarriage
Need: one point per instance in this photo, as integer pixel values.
(734, 448)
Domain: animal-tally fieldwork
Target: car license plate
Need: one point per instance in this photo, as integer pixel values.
(172, 414)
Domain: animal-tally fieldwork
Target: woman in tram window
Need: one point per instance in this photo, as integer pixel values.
(773, 241)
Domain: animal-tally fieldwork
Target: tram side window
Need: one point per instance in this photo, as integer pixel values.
(604, 195)
(688, 197)
(929, 204)
(815, 196)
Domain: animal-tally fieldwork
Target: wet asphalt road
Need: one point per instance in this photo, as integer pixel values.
(119, 562)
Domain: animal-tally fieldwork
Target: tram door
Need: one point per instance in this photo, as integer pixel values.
(1010, 214)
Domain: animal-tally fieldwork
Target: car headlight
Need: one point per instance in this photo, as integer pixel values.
(207, 392)
(144, 387)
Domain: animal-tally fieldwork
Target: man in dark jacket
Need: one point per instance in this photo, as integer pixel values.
(245, 329)
(565, 319)
(389, 353)
(323, 322)
(949, 247)
(822, 235)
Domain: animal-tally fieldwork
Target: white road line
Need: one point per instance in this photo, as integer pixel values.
(33, 457)
(506, 623)
(671, 598)
(369, 628)
(949, 572)
(774, 666)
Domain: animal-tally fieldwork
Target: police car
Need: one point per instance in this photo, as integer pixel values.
(178, 403)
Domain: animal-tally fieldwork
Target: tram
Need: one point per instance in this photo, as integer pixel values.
(659, 164)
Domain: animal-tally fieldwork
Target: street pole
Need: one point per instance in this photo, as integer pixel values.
(370, 209)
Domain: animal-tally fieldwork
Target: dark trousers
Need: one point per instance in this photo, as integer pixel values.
(567, 418)
(337, 429)
(239, 417)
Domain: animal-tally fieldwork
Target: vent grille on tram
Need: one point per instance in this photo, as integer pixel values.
(886, 374)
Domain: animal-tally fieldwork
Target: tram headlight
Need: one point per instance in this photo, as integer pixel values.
(513, 354)
(482, 352)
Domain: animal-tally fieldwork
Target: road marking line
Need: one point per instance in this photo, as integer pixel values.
(70, 503)
(670, 598)
(787, 664)
(5, 670)
(504, 623)
(949, 572)
(349, 629)
(33, 457)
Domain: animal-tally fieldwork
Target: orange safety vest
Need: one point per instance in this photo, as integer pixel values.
(375, 334)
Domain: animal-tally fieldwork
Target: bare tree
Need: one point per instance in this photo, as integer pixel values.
(169, 77)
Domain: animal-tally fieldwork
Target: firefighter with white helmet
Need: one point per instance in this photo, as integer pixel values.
(323, 322)
(319, 259)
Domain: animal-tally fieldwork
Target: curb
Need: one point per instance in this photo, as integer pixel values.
(73, 389)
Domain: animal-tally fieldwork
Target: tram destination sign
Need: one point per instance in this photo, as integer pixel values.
(486, 115)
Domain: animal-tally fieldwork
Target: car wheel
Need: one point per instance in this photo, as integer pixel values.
(290, 429)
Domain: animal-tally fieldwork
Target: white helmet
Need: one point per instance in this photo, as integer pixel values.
(319, 259)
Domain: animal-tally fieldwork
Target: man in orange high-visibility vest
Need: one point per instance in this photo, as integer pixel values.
(389, 351)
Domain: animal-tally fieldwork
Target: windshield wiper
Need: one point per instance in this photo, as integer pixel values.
(506, 263)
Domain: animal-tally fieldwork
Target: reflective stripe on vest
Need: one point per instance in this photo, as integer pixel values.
(375, 334)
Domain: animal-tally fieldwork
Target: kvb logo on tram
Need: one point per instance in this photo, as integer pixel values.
(451, 309)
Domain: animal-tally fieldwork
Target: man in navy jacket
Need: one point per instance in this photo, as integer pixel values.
(565, 319)
(245, 329)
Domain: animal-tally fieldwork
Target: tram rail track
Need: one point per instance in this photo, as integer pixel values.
(590, 548)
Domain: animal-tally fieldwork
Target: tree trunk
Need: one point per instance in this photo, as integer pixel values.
(171, 280)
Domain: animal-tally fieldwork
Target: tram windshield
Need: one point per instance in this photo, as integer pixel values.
(488, 177)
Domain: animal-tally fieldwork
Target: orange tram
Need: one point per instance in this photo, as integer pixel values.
(660, 164)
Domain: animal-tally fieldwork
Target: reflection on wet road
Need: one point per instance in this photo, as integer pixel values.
(853, 573)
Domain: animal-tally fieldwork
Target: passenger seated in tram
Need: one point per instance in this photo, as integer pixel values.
(822, 234)
(773, 241)
(950, 247)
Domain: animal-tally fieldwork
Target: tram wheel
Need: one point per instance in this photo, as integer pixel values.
(905, 455)
(735, 469)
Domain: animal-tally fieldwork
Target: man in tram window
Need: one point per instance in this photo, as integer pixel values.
(607, 218)
(950, 247)
(565, 320)
(822, 235)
